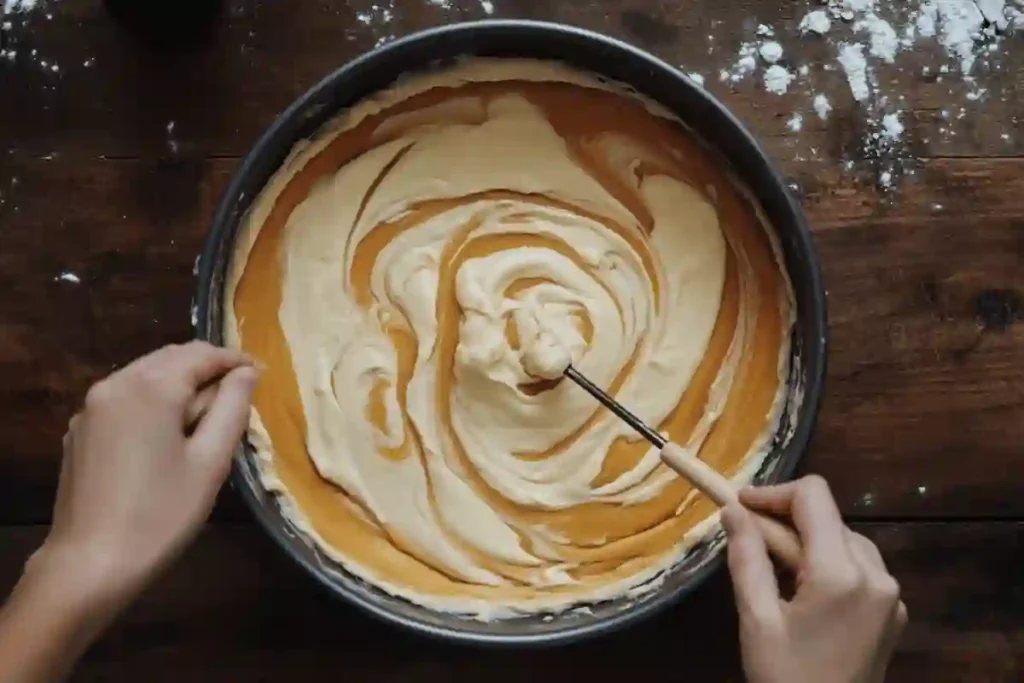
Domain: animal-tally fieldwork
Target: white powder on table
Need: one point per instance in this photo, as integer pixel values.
(884, 42)
(995, 12)
(771, 52)
(1014, 17)
(866, 35)
(851, 57)
(816, 21)
(746, 63)
(822, 106)
(846, 7)
(958, 24)
(892, 128)
(777, 79)
(12, 6)
(925, 23)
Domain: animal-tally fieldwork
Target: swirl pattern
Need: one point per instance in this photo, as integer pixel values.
(416, 278)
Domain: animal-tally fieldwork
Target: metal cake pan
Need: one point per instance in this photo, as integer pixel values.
(722, 133)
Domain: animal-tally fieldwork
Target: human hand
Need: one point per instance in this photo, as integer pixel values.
(136, 482)
(845, 618)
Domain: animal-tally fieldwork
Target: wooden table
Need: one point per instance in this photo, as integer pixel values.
(110, 167)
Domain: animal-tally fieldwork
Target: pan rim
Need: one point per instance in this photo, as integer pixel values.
(277, 141)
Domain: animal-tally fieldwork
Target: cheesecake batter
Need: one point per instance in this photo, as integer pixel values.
(417, 276)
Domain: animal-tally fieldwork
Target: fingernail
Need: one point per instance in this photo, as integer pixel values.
(248, 376)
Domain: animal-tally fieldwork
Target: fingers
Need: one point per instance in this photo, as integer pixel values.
(69, 435)
(221, 428)
(65, 478)
(878, 578)
(899, 624)
(753, 577)
(198, 406)
(809, 503)
(879, 581)
(893, 634)
(200, 363)
(187, 366)
(865, 552)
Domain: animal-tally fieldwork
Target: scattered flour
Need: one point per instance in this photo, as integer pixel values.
(771, 52)
(958, 25)
(822, 106)
(884, 41)
(172, 140)
(12, 6)
(851, 57)
(868, 38)
(379, 18)
(777, 79)
(18, 17)
(816, 22)
(995, 12)
(880, 30)
(746, 63)
(68, 276)
(892, 128)
(865, 34)
(847, 8)
(925, 23)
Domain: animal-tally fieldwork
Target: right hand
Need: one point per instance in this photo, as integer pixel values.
(846, 617)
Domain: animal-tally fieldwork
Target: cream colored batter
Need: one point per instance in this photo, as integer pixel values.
(417, 277)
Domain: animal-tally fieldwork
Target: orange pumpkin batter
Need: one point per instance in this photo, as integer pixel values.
(393, 277)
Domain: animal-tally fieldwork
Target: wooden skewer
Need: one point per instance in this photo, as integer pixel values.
(781, 540)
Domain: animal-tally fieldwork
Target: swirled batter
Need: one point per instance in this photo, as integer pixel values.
(412, 275)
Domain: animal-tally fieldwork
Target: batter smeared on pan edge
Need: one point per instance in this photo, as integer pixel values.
(406, 277)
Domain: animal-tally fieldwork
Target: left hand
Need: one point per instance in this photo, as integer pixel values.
(135, 486)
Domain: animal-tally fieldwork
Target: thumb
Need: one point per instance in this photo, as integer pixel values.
(753, 577)
(217, 434)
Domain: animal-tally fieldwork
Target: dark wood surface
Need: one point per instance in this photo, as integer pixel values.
(922, 431)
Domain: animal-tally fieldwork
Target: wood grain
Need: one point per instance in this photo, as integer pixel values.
(924, 411)
(249, 69)
(233, 609)
(110, 168)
